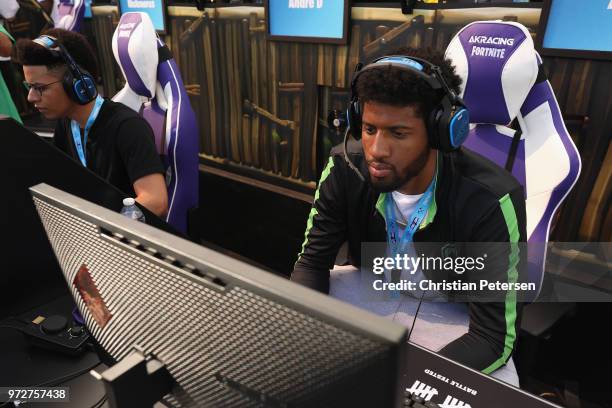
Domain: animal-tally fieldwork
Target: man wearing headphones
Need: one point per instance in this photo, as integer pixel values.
(106, 137)
(409, 182)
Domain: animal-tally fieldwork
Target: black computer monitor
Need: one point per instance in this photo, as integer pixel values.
(319, 21)
(29, 272)
(576, 29)
(228, 333)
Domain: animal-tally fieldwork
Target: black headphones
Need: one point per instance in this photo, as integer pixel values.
(448, 123)
(78, 84)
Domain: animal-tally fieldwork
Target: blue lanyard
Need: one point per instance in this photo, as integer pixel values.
(76, 131)
(397, 244)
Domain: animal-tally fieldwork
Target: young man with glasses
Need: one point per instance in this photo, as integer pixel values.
(106, 137)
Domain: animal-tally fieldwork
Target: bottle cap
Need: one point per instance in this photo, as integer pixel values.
(128, 201)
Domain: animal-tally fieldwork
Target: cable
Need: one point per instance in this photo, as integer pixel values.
(6, 326)
(346, 157)
(100, 402)
(67, 377)
(415, 315)
(6, 323)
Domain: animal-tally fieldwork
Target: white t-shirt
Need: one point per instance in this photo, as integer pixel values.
(406, 204)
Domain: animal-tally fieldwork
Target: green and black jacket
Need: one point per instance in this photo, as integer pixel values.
(475, 201)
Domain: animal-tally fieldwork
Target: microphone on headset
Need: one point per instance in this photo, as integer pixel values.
(347, 158)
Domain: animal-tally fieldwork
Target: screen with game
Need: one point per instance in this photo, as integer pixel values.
(579, 26)
(156, 9)
(308, 20)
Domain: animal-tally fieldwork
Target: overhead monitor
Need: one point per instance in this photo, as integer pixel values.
(88, 9)
(228, 333)
(156, 9)
(577, 29)
(321, 21)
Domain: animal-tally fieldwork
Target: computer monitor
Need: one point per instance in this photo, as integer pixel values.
(229, 334)
(29, 273)
(156, 9)
(320, 21)
(576, 29)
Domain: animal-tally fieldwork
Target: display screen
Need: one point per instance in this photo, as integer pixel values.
(154, 8)
(308, 20)
(88, 9)
(579, 25)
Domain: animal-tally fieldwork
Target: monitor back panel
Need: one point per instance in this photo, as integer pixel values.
(227, 341)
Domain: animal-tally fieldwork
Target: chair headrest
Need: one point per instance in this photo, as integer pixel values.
(135, 50)
(498, 65)
(66, 6)
(8, 8)
(70, 14)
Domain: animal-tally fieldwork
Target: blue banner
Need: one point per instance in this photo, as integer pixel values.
(579, 25)
(307, 18)
(154, 8)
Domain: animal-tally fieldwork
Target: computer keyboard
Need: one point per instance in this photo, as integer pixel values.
(414, 401)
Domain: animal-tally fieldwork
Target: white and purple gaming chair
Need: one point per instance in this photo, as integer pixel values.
(8, 8)
(155, 89)
(68, 14)
(503, 79)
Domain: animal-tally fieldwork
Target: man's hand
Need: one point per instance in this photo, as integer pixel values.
(151, 192)
(5, 45)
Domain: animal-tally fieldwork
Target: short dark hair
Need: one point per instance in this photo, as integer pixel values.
(397, 87)
(27, 52)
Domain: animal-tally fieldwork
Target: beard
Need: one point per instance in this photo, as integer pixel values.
(396, 180)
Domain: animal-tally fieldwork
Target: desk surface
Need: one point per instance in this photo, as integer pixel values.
(22, 365)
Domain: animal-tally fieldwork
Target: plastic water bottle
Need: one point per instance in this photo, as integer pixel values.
(130, 210)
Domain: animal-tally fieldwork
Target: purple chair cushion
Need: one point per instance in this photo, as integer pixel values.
(156, 117)
(493, 142)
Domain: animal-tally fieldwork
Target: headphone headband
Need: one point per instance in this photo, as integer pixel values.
(415, 65)
(53, 45)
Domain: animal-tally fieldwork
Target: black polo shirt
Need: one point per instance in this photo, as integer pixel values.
(120, 146)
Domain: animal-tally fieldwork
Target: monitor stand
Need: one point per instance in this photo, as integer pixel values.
(138, 380)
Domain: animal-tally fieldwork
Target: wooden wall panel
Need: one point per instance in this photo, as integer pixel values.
(262, 106)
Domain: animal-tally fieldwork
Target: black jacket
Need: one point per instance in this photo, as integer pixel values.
(475, 201)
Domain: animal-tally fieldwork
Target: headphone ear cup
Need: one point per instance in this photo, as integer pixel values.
(354, 118)
(444, 138)
(433, 129)
(81, 91)
(451, 126)
(68, 84)
(84, 88)
(458, 126)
